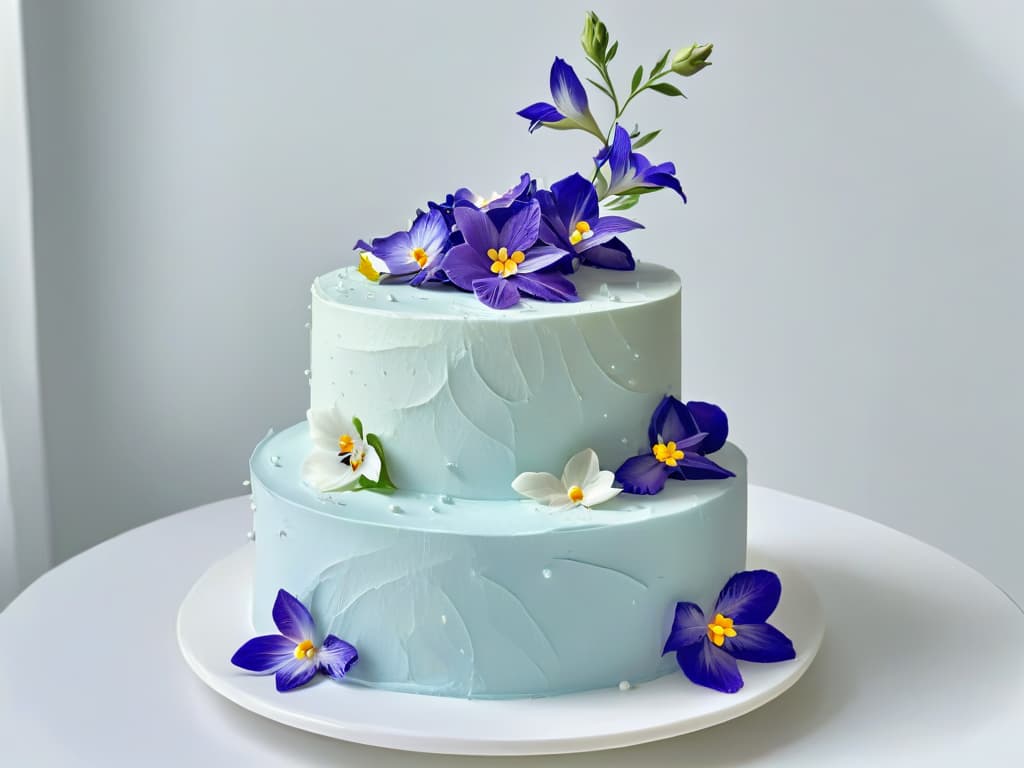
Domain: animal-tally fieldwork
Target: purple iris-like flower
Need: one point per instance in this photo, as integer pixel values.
(680, 436)
(409, 252)
(571, 220)
(499, 265)
(571, 108)
(707, 647)
(293, 656)
(461, 196)
(631, 172)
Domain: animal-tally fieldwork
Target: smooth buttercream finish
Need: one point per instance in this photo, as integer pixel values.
(493, 599)
(465, 398)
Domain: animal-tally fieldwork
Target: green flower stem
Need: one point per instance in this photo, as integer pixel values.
(620, 111)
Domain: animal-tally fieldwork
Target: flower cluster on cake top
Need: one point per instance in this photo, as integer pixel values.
(530, 240)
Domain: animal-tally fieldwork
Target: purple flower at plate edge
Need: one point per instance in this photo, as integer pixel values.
(680, 436)
(499, 265)
(571, 219)
(707, 650)
(293, 656)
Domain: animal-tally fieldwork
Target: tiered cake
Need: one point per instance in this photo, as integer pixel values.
(454, 584)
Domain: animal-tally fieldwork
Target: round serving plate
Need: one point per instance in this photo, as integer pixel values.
(214, 620)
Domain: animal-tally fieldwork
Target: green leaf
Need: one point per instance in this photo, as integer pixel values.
(647, 138)
(623, 202)
(668, 89)
(611, 52)
(599, 87)
(601, 185)
(661, 64)
(358, 425)
(384, 481)
(635, 132)
(637, 77)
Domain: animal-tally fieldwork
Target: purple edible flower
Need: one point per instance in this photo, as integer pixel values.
(631, 172)
(500, 265)
(680, 436)
(707, 650)
(571, 220)
(571, 108)
(409, 252)
(461, 196)
(293, 656)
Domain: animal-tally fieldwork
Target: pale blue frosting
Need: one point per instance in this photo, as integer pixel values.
(465, 397)
(493, 599)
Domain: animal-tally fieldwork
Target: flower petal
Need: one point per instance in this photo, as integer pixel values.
(295, 673)
(688, 627)
(671, 421)
(693, 466)
(604, 229)
(581, 469)
(395, 251)
(708, 665)
(463, 264)
(496, 292)
(540, 113)
(711, 419)
(600, 489)
(665, 180)
(429, 232)
(325, 472)
(264, 654)
(336, 657)
(567, 91)
(326, 425)
(611, 255)
(521, 230)
(540, 486)
(575, 200)
(643, 475)
(539, 257)
(370, 468)
(759, 642)
(292, 618)
(521, 190)
(477, 228)
(749, 597)
(546, 286)
(617, 157)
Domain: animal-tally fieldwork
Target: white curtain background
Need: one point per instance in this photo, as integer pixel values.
(24, 513)
(851, 251)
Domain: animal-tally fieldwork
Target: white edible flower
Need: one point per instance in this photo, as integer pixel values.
(340, 455)
(583, 483)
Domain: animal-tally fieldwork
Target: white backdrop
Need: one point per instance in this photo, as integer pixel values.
(850, 254)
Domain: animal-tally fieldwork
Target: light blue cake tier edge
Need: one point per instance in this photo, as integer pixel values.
(492, 599)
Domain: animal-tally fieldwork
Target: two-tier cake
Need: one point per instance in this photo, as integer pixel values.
(499, 490)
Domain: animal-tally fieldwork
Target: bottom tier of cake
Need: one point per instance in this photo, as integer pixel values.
(492, 599)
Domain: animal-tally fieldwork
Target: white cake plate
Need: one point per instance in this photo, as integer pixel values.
(213, 621)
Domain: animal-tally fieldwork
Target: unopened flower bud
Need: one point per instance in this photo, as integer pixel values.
(691, 60)
(595, 37)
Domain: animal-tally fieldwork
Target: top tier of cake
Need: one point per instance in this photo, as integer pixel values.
(464, 397)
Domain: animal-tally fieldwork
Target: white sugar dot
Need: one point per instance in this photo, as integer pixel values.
(246, 483)
(624, 685)
(546, 573)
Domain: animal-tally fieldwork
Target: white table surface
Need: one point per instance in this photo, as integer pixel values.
(923, 662)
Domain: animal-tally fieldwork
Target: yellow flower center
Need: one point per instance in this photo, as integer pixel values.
(366, 268)
(580, 232)
(667, 453)
(355, 459)
(420, 256)
(305, 650)
(576, 494)
(504, 263)
(346, 444)
(719, 629)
